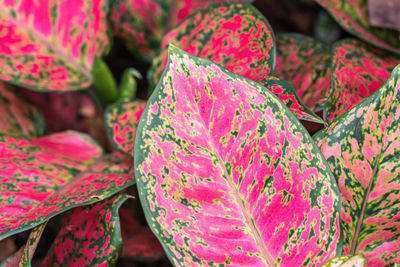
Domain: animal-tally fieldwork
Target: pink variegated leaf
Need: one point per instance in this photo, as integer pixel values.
(352, 15)
(18, 117)
(220, 164)
(23, 256)
(50, 45)
(42, 177)
(305, 62)
(143, 23)
(346, 261)
(139, 242)
(89, 236)
(234, 35)
(358, 70)
(121, 120)
(362, 149)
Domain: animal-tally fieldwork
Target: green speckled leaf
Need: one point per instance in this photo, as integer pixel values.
(17, 116)
(358, 70)
(220, 164)
(121, 120)
(362, 148)
(352, 15)
(306, 63)
(89, 236)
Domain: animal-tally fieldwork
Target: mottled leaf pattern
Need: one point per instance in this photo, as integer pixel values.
(305, 62)
(43, 177)
(285, 91)
(234, 35)
(50, 45)
(358, 70)
(90, 236)
(352, 15)
(18, 117)
(362, 148)
(346, 261)
(121, 121)
(220, 161)
(143, 23)
(24, 255)
(139, 242)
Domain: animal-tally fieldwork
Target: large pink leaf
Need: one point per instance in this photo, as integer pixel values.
(51, 45)
(358, 70)
(121, 120)
(42, 177)
(143, 23)
(18, 117)
(234, 35)
(227, 175)
(352, 15)
(362, 148)
(89, 236)
(305, 62)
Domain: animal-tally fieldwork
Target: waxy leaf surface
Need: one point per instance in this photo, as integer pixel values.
(362, 149)
(220, 161)
(234, 35)
(24, 255)
(358, 70)
(139, 242)
(143, 23)
(352, 15)
(285, 91)
(121, 121)
(18, 117)
(89, 236)
(42, 177)
(50, 45)
(306, 63)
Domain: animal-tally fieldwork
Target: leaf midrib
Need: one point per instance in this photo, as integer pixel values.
(59, 52)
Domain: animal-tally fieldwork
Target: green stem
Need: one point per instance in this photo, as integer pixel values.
(104, 82)
(128, 86)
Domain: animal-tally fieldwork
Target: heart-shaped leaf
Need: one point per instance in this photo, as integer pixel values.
(121, 120)
(18, 117)
(305, 62)
(43, 177)
(234, 35)
(352, 15)
(358, 70)
(51, 45)
(24, 255)
(362, 149)
(285, 91)
(142, 24)
(221, 162)
(89, 236)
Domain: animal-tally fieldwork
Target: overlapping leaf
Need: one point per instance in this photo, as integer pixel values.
(50, 45)
(18, 117)
(43, 177)
(352, 15)
(362, 148)
(220, 161)
(90, 236)
(305, 62)
(139, 242)
(285, 91)
(143, 23)
(24, 255)
(234, 35)
(358, 70)
(121, 121)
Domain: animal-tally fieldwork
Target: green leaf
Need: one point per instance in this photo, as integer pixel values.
(362, 148)
(305, 62)
(89, 236)
(352, 15)
(220, 163)
(358, 70)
